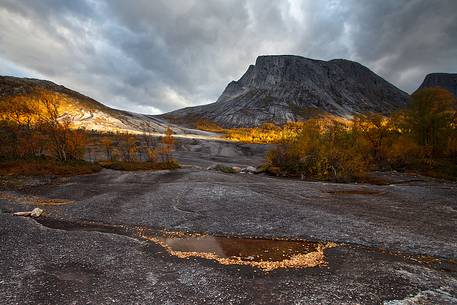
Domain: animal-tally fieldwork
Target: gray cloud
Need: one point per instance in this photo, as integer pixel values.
(156, 56)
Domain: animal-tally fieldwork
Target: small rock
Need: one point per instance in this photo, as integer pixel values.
(251, 169)
(36, 212)
(236, 169)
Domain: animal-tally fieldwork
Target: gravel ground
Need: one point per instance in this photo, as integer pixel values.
(396, 242)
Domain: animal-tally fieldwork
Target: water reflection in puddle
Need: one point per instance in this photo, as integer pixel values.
(249, 249)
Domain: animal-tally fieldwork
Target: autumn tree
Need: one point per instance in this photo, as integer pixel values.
(149, 148)
(33, 125)
(323, 150)
(430, 117)
(374, 132)
(167, 145)
(107, 145)
(128, 148)
(151, 154)
(18, 114)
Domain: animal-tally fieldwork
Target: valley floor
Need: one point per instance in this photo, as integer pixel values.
(395, 243)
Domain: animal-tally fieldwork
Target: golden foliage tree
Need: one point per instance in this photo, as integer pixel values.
(32, 125)
(323, 150)
(374, 134)
(167, 145)
(430, 119)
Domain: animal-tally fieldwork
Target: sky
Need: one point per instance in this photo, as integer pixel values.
(157, 56)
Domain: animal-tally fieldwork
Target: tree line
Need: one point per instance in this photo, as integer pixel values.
(36, 125)
(423, 137)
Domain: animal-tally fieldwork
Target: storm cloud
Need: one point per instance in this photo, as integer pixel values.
(157, 56)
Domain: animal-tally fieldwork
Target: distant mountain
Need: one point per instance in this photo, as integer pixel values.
(85, 111)
(284, 88)
(444, 80)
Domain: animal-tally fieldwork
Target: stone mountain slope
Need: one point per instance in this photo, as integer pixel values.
(282, 88)
(444, 80)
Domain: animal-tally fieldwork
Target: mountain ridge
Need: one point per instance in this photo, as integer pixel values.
(447, 81)
(282, 88)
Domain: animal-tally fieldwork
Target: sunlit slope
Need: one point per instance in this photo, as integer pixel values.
(84, 111)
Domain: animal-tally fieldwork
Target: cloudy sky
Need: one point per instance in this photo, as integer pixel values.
(156, 56)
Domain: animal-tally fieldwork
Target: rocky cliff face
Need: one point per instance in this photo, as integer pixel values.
(444, 80)
(287, 88)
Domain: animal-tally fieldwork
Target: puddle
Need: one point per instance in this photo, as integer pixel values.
(265, 254)
(249, 249)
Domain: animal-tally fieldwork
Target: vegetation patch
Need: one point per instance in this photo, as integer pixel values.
(208, 125)
(138, 166)
(225, 169)
(420, 138)
(44, 167)
(267, 133)
(38, 138)
(441, 169)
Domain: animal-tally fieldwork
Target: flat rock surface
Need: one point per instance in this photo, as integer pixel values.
(396, 243)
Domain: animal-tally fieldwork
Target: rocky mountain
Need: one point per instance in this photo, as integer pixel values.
(285, 88)
(444, 80)
(87, 112)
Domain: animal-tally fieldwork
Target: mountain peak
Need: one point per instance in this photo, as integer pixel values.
(282, 88)
(444, 80)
